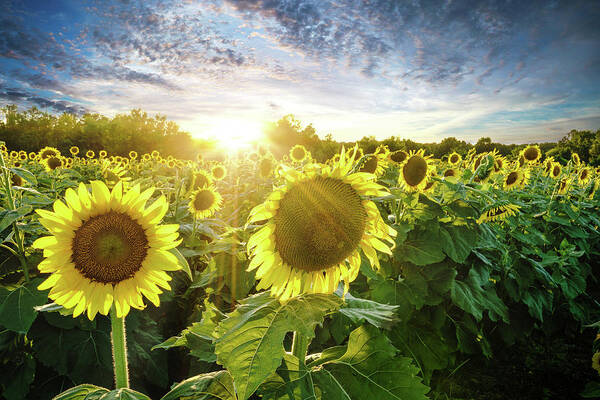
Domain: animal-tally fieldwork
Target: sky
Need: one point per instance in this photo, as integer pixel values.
(516, 71)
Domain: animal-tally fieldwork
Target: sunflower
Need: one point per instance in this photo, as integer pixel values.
(451, 174)
(218, 172)
(317, 223)
(32, 155)
(454, 158)
(265, 167)
(133, 154)
(102, 153)
(513, 179)
(90, 154)
(298, 153)
(414, 172)
(584, 175)
(555, 170)
(48, 152)
(74, 150)
(397, 157)
(548, 164)
(53, 162)
(575, 158)
(155, 154)
(106, 248)
(16, 180)
(596, 361)
(146, 157)
(204, 202)
(201, 179)
(499, 213)
(563, 185)
(531, 154)
(199, 157)
(114, 173)
(374, 163)
(22, 156)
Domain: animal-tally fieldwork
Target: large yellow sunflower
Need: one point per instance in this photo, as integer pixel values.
(584, 175)
(532, 154)
(513, 179)
(414, 172)
(204, 202)
(106, 248)
(317, 223)
(53, 162)
(48, 152)
(374, 163)
(555, 170)
(201, 179)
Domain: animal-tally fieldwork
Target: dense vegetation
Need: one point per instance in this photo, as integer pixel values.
(490, 289)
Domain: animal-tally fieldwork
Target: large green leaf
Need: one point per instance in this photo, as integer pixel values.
(216, 385)
(421, 248)
(377, 314)
(16, 379)
(17, 311)
(7, 217)
(250, 339)
(369, 369)
(92, 392)
(458, 241)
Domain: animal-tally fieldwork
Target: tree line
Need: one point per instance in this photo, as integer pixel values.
(33, 129)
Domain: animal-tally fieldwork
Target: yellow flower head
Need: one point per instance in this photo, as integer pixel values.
(575, 158)
(265, 167)
(317, 223)
(563, 185)
(90, 154)
(398, 157)
(48, 152)
(53, 162)
(451, 174)
(74, 150)
(106, 248)
(596, 361)
(555, 170)
(133, 154)
(415, 171)
(454, 158)
(499, 213)
(201, 179)
(514, 179)
(584, 175)
(102, 153)
(204, 202)
(531, 154)
(219, 172)
(33, 155)
(298, 153)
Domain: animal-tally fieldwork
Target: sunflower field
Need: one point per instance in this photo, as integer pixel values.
(390, 275)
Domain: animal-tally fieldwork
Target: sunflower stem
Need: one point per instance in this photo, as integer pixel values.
(299, 349)
(119, 350)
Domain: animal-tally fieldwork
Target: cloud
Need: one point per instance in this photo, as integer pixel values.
(21, 97)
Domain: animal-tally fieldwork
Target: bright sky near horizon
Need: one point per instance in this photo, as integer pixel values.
(517, 71)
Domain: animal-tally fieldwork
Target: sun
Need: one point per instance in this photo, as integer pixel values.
(235, 134)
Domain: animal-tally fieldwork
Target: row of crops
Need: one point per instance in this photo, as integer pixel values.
(369, 276)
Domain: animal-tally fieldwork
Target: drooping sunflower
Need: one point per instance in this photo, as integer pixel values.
(563, 185)
(548, 164)
(451, 174)
(584, 175)
(298, 153)
(499, 213)
(53, 162)
(531, 154)
(204, 202)
(74, 150)
(317, 223)
(199, 157)
(265, 167)
(201, 179)
(374, 163)
(113, 173)
(596, 361)
(219, 172)
(107, 248)
(414, 172)
(454, 158)
(555, 170)
(398, 157)
(48, 152)
(575, 158)
(513, 180)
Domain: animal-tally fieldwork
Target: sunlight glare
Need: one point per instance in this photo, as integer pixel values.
(234, 134)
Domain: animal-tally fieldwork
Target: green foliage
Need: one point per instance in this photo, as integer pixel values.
(209, 386)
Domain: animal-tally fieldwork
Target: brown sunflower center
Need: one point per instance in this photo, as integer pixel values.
(449, 173)
(319, 223)
(584, 174)
(47, 153)
(200, 180)
(218, 172)
(203, 200)
(415, 170)
(298, 153)
(109, 248)
(398, 156)
(531, 154)
(370, 165)
(454, 158)
(556, 170)
(512, 178)
(54, 162)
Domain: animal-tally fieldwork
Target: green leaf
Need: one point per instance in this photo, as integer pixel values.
(421, 248)
(82, 392)
(377, 314)
(16, 381)
(17, 311)
(183, 262)
(250, 339)
(458, 241)
(209, 386)
(286, 382)
(7, 217)
(369, 369)
(123, 394)
(25, 174)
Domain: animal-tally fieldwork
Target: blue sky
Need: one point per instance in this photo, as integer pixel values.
(518, 71)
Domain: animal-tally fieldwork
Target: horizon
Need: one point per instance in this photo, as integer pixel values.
(517, 73)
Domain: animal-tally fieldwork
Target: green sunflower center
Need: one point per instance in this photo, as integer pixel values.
(203, 200)
(415, 170)
(531, 154)
(109, 248)
(370, 165)
(319, 223)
